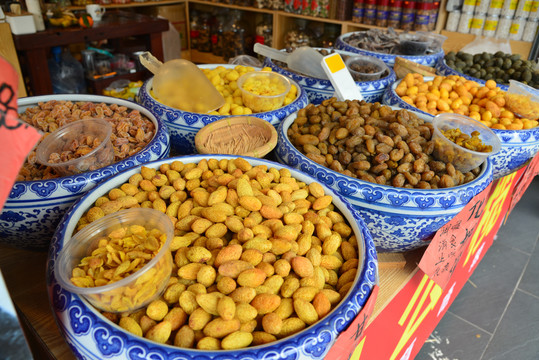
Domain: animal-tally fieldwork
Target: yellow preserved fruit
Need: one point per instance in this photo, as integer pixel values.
(488, 104)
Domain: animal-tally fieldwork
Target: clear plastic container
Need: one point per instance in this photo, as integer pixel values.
(491, 24)
(495, 7)
(263, 90)
(413, 44)
(517, 28)
(465, 22)
(522, 100)
(138, 288)
(365, 68)
(504, 25)
(452, 22)
(79, 146)
(525, 8)
(481, 6)
(469, 6)
(478, 21)
(509, 8)
(530, 30)
(462, 158)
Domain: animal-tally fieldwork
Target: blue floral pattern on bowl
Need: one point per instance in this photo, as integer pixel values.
(430, 60)
(92, 336)
(183, 125)
(399, 219)
(33, 209)
(319, 90)
(518, 146)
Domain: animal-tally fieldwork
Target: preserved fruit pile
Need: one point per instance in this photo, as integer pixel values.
(500, 67)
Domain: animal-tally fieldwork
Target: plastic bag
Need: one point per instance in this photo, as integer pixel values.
(487, 44)
(245, 60)
(67, 74)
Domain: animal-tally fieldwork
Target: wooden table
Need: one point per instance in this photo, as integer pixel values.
(25, 271)
(34, 48)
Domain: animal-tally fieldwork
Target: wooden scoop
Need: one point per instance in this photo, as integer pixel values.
(182, 85)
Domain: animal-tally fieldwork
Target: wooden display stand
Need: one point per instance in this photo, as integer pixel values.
(408, 307)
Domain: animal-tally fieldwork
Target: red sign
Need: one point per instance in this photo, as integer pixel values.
(531, 171)
(16, 138)
(349, 339)
(401, 327)
(441, 257)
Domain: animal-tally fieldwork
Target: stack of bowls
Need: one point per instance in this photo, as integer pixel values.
(91, 335)
(34, 208)
(517, 146)
(320, 89)
(183, 125)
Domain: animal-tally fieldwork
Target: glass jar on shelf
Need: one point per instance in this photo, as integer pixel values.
(435, 8)
(408, 15)
(395, 13)
(369, 14)
(331, 33)
(299, 36)
(452, 22)
(204, 41)
(491, 23)
(236, 39)
(478, 21)
(422, 15)
(358, 11)
(382, 12)
(264, 31)
(217, 35)
(193, 29)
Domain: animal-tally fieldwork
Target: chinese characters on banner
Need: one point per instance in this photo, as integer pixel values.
(16, 138)
(348, 340)
(444, 252)
(531, 171)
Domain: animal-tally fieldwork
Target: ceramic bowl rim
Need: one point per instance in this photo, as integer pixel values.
(287, 122)
(26, 103)
(325, 82)
(147, 93)
(409, 57)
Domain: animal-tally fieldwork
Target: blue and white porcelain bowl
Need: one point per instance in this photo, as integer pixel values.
(92, 336)
(184, 125)
(33, 209)
(445, 70)
(518, 146)
(430, 59)
(319, 90)
(399, 219)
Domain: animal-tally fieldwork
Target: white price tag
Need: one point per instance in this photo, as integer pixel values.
(340, 77)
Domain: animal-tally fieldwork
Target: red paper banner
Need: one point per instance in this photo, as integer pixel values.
(443, 254)
(405, 322)
(531, 171)
(16, 138)
(349, 339)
